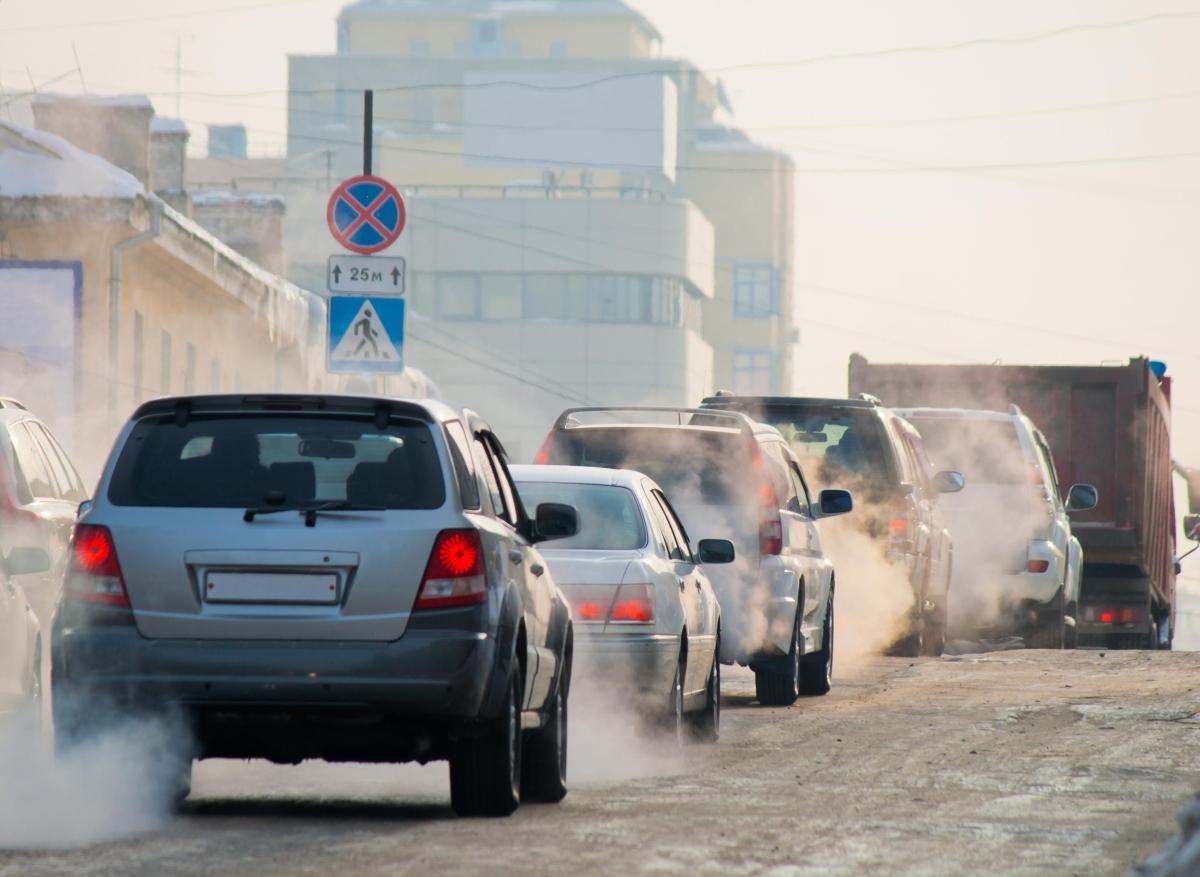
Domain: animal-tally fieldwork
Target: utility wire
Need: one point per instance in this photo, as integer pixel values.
(684, 67)
(147, 19)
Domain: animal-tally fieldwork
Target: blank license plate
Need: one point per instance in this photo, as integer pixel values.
(243, 587)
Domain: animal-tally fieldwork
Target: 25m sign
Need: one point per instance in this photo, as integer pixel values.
(380, 275)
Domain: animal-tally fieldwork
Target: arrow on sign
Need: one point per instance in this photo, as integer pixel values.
(337, 272)
(395, 277)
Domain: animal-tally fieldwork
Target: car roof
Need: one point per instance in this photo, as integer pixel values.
(955, 414)
(427, 409)
(579, 475)
(720, 402)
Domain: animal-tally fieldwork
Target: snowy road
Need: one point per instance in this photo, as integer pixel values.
(1018, 762)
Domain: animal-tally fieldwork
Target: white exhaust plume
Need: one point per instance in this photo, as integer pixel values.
(113, 785)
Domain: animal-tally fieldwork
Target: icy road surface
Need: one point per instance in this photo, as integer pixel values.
(1021, 762)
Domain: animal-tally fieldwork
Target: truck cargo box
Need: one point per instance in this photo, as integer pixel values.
(1106, 425)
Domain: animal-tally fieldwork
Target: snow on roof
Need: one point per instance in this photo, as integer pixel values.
(137, 101)
(244, 199)
(34, 164)
(167, 125)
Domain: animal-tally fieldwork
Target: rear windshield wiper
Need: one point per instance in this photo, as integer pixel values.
(310, 512)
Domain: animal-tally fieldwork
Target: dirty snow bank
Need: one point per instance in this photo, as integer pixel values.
(1180, 857)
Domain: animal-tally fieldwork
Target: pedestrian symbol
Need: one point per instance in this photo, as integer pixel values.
(366, 335)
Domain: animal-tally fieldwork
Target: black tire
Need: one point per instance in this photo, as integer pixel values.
(485, 772)
(816, 670)
(779, 683)
(934, 639)
(544, 764)
(32, 709)
(1047, 634)
(180, 781)
(705, 726)
(911, 645)
(673, 718)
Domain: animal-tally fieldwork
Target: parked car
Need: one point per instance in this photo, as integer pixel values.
(643, 606)
(40, 493)
(861, 444)
(20, 635)
(1017, 566)
(732, 477)
(346, 578)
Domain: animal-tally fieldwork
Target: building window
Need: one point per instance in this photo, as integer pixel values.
(189, 374)
(139, 355)
(164, 372)
(753, 372)
(458, 296)
(755, 290)
(500, 296)
(485, 37)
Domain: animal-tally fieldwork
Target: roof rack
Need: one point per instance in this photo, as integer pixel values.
(8, 402)
(873, 400)
(644, 415)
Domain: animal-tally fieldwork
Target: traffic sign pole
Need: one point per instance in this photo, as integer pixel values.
(368, 130)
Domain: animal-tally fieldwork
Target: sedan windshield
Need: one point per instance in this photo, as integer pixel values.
(609, 517)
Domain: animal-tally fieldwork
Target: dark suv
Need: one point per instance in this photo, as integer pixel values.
(861, 445)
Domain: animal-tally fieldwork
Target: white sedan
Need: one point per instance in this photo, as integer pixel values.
(643, 608)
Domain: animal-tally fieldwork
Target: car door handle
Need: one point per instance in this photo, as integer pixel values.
(537, 569)
(682, 585)
(515, 556)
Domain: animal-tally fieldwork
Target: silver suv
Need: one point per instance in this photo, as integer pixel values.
(344, 578)
(1017, 565)
(733, 478)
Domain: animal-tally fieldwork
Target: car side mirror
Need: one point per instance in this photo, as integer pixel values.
(1082, 497)
(716, 551)
(1191, 527)
(556, 520)
(834, 502)
(949, 481)
(24, 561)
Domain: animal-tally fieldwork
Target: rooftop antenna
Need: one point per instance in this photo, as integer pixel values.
(79, 68)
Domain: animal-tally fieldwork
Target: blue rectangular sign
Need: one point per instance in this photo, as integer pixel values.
(365, 334)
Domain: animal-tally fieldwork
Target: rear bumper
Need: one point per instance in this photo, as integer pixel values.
(432, 682)
(643, 663)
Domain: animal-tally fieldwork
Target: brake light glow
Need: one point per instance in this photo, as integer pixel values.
(1113, 614)
(589, 610)
(898, 526)
(543, 455)
(634, 604)
(770, 528)
(454, 575)
(1037, 565)
(94, 574)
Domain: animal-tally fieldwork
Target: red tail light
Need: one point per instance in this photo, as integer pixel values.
(543, 456)
(770, 528)
(634, 603)
(94, 574)
(898, 527)
(589, 603)
(1037, 565)
(455, 574)
(1113, 614)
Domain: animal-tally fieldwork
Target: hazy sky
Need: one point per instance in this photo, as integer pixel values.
(1048, 263)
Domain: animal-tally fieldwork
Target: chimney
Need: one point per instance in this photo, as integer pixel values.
(116, 128)
(168, 162)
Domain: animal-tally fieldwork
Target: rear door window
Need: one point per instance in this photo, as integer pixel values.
(676, 529)
(460, 456)
(659, 512)
(33, 466)
(69, 486)
(785, 490)
(245, 461)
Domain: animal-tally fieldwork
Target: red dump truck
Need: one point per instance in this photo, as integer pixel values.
(1106, 425)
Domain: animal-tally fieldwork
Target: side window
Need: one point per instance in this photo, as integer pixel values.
(663, 523)
(460, 454)
(512, 500)
(484, 465)
(803, 497)
(785, 490)
(32, 464)
(60, 465)
(657, 523)
(903, 459)
(681, 539)
(1048, 462)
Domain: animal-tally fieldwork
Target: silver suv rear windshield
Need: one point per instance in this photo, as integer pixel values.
(984, 451)
(246, 461)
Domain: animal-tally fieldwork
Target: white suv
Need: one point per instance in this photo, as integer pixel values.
(1016, 564)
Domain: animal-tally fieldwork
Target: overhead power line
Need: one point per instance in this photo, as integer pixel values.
(682, 67)
(149, 19)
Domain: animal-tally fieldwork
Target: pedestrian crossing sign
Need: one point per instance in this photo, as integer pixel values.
(365, 334)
